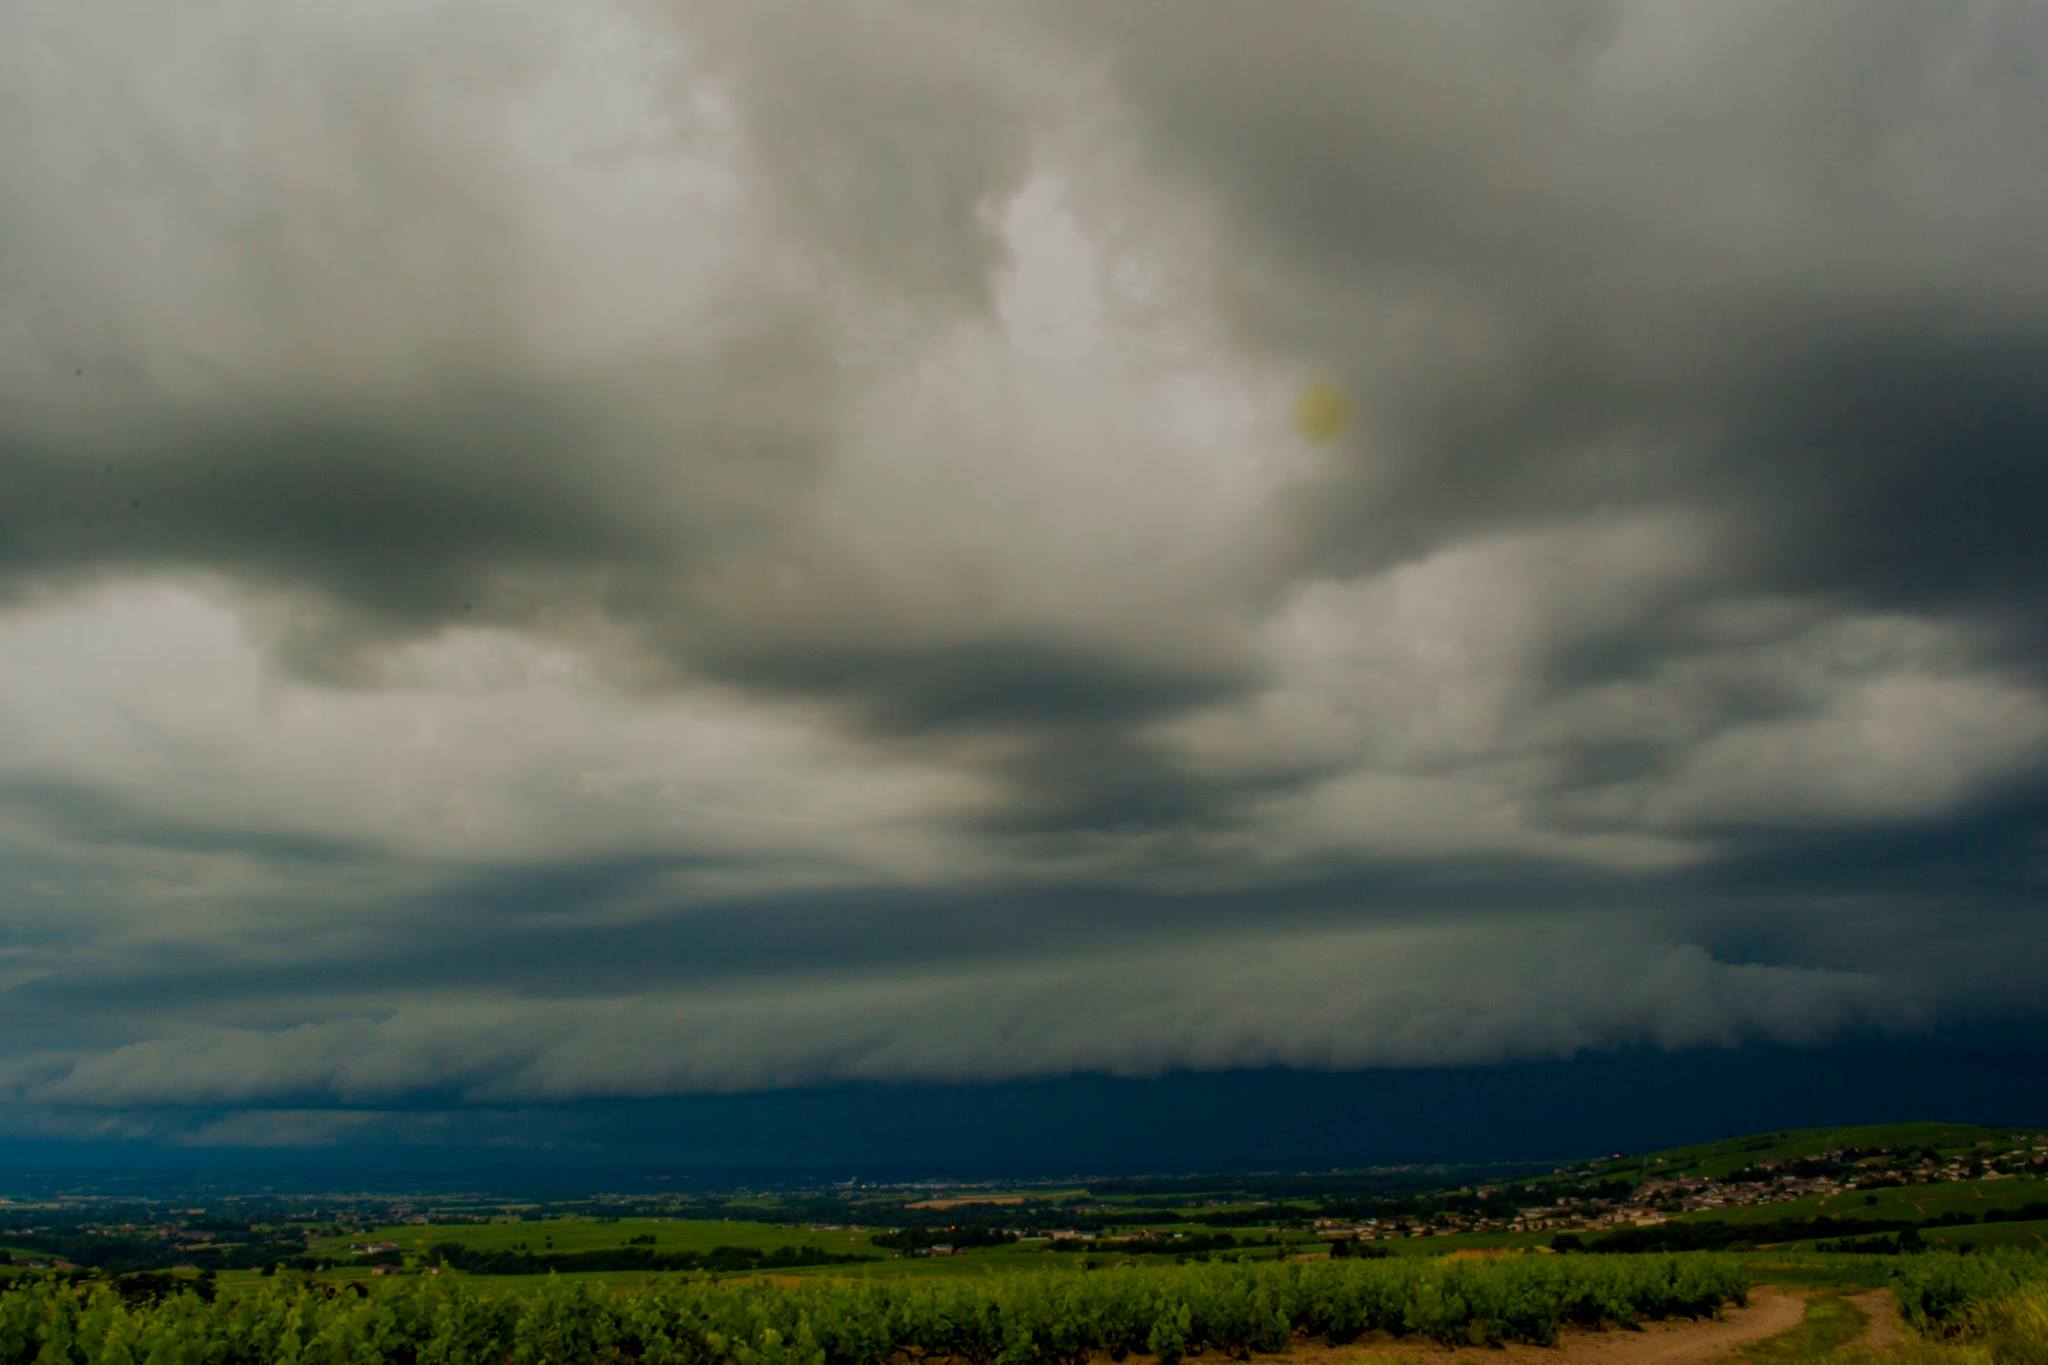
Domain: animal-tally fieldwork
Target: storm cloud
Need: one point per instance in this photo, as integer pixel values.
(616, 550)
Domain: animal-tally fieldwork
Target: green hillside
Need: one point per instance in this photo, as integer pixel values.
(1727, 1155)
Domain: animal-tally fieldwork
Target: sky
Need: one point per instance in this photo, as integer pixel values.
(568, 565)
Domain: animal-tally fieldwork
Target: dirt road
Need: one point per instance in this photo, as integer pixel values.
(1882, 1329)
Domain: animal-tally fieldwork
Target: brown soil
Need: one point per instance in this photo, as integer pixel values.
(1882, 1330)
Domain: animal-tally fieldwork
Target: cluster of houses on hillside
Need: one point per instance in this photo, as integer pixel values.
(1771, 1182)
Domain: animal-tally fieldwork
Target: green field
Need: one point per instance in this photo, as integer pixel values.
(571, 1234)
(2028, 1236)
(590, 1234)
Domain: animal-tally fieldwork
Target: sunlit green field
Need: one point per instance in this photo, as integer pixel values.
(2030, 1236)
(563, 1235)
(589, 1234)
(1465, 1241)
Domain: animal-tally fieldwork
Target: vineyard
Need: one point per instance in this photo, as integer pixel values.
(1948, 1296)
(1017, 1320)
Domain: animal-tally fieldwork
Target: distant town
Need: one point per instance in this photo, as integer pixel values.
(1607, 1199)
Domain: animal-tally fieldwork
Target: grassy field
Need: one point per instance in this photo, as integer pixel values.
(1818, 1270)
(2029, 1236)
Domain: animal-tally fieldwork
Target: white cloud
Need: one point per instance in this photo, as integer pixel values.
(484, 746)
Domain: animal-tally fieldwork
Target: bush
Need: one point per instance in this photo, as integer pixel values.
(1944, 1294)
(1014, 1320)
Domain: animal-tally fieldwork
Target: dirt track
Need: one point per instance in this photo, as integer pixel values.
(1882, 1329)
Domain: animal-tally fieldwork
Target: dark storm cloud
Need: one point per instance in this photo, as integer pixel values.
(1127, 1014)
(998, 680)
(1764, 266)
(1986, 854)
(1757, 273)
(582, 930)
(468, 499)
(779, 534)
(661, 493)
(1906, 463)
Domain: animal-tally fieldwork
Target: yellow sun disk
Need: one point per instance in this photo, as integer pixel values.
(1322, 411)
